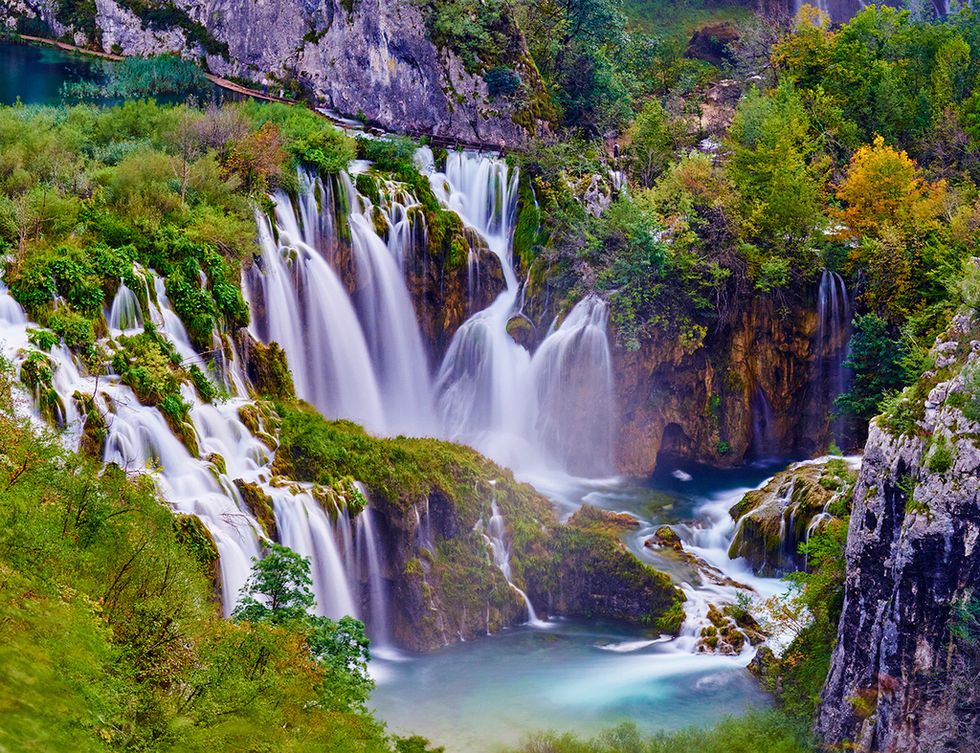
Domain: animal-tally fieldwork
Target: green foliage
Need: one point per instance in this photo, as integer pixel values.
(940, 459)
(279, 592)
(502, 81)
(777, 167)
(875, 359)
(110, 639)
(476, 31)
(652, 143)
(756, 732)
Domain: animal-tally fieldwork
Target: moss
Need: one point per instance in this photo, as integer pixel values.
(197, 539)
(259, 504)
(268, 371)
(94, 430)
(595, 575)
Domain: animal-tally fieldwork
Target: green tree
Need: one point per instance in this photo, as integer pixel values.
(279, 592)
(779, 170)
(652, 139)
(876, 360)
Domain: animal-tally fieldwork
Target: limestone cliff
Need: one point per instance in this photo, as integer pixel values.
(748, 392)
(365, 59)
(903, 672)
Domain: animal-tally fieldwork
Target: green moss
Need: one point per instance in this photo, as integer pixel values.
(94, 430)
(197, 539)
(268, 371)
(259, 504)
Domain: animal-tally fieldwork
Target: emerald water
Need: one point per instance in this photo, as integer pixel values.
(584, 677)
(34, 74)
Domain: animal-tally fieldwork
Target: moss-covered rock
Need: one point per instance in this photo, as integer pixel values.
(266, 368)
(594, 575)
(259, 504)
(197, 539)
(774, 521)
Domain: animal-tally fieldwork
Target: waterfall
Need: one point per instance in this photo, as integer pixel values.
(833, 333)
(368, 545)
(298, 301)
(765, 441)
(305, 528)
(125, 314)
(496, 536)
(573, 382)
(388, 318)
(328, 284)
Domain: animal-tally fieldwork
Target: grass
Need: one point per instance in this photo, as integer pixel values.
(678, 20)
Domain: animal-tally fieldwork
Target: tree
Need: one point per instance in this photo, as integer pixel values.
(279, 592)
(876, 360)
(279, 589)
(652, 137)
(778, 169)
(883, 186)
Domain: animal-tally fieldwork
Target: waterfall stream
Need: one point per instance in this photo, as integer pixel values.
(833, 333)
(329, 285)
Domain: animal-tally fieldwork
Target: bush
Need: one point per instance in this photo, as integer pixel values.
(502, 81)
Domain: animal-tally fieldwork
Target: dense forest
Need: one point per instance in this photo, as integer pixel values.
(277, 388)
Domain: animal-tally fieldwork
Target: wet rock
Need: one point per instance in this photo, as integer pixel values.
(773, 521)
(665, 536)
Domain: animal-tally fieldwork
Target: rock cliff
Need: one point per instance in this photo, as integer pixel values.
(365, 59)
(903, 672)
(749, 392)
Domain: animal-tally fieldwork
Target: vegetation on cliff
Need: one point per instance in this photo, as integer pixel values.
(112, 639)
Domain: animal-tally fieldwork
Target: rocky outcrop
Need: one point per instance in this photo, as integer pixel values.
(368, 59)
(773, 521)
(903, 672)
(746, 393)
(592, 574)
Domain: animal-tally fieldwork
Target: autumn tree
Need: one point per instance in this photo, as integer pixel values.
(884, 187)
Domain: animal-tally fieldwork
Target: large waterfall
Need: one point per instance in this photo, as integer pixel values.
(361, 355)
(355, 351)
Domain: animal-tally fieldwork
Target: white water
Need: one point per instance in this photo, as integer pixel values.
(357, 352)
(833, 333)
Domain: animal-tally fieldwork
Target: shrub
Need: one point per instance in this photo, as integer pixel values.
(502, 81)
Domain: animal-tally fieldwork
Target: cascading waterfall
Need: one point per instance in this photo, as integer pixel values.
(139, 440)
(125, 314)
(298, 301)
(833, 333)
(496, 535)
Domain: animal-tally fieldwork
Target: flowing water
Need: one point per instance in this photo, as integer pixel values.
(584, 677)
(355, 350)
(832, 378)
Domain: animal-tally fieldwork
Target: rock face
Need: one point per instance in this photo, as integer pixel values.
(369, 59)
(745, 393)
(773, 521)
(903, 672)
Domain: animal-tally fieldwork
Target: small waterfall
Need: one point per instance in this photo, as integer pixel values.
(370, 565)
(125, 314)
(305, 528)
(496, 536)
(833, 334)
(765, 440)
